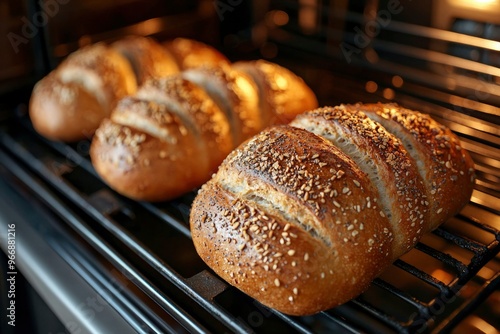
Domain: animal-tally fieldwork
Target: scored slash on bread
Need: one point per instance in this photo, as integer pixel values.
(235, 93)
(282, 96)
(70, 102)
(381, 156)
(441, 161)
(302, 217)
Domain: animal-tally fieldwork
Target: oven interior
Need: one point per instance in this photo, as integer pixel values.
(138, 256)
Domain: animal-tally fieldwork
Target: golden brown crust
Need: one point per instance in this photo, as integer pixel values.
(445, 166)
(382, 156)
(283, 212)
(144, 156)
(65, 111)
(235, 93)
(190, 53)
(147, 57)
(99, 61)
(303, 217)
(198, 111)
(284, 95)
(70, 102)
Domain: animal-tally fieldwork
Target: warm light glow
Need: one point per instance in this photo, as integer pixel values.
(277, 17)
(388, 93)
(371, 56)
(443, 276)
(397, 81)
(308, 15)
(485, 1)
(371, 86)
(481, 325)
(476, 4)
(269, 50)
(84, 41)
(451, 84)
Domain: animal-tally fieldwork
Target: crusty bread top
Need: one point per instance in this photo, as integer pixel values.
(197, 110)
(235, 93)
(147, 57)
(56, 109)
(384, 159)
(142, 146)
(445, 166)
(98, 63)
(190, 53)
(303, 217)
(284, 93)
(284, 210)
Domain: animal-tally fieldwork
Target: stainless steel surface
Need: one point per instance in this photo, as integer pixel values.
(71, 296)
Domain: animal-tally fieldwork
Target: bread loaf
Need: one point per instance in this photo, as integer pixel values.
(217, 108)
(302, 217)
(72, 100)
(137, 149)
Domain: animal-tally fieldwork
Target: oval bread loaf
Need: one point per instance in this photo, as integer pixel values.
(303, 217)
(140, 141)
(70, 102)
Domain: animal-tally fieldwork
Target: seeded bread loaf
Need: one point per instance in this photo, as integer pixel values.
(303, 217)
(217, 108)
(71, 101)
(137, 150)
